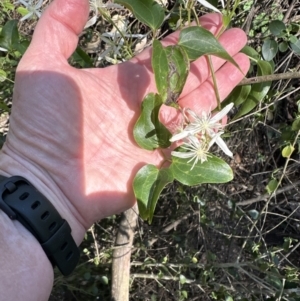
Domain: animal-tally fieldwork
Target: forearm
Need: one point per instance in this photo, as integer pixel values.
(25, 271)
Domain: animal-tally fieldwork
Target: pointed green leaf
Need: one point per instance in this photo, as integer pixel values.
(238, 95)
(147, 185)
(178, 70)
(146, 11)
(198, 41)
(258, 91)
(171, 68)
(214, 170)
(160, 68)
(277, 27)
(9, 35)
(251, 52)
(81, 58)
(148, 132)
(269, 49)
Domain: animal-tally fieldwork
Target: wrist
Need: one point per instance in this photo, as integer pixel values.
(13, 165)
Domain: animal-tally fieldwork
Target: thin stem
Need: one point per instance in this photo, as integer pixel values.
(211, 67)
(268, 78)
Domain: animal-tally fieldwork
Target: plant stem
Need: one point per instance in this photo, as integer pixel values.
(268, 78)
(211, 67)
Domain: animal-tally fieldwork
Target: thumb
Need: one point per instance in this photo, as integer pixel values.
(58, 29)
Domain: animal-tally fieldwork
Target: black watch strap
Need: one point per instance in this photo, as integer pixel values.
(20, 200)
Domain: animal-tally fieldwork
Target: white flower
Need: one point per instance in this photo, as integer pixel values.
(195, 150)
(221, 143)
(33, 9)
(3, 49)
(202, 125)
(208, 5)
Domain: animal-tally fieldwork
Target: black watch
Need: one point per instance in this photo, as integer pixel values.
(20, 200)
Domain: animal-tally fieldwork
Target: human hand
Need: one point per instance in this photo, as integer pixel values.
(71, 130)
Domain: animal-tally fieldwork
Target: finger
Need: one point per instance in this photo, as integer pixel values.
(57, 31)
(233, 40)
(203, 98)
(212, 22)
(227, 77)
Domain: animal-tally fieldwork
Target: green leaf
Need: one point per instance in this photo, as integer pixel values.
(146, 11)
(296, 46)
(258, 91)
(23, 11)
(178, 70)
(198, 41)
(160, 68)
(269, 49)
(296, 125)
(214, 170)
(277, 27)
(9, 35)
(182, 279)
(272, 185)
(81, 58)
(148, 132)
(293, 39)
(3, 75)
(147, 185)
(251, 52)
(283, 46)
(238, 95)
(22, 46)
(171, 68)
(287, 151)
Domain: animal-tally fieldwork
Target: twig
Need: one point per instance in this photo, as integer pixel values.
(265, 196)
(173, 225)
(268, 78)
(122, 254)
(290, 9)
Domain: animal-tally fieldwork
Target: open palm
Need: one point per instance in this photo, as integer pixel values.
(76, 125)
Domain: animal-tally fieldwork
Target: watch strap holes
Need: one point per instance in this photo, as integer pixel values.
(69, 256)
(45, 215)
(35, 205)
(63, 247)
(24, 196)
(52, 226)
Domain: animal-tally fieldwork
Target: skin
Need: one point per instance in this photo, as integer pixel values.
(71, 133)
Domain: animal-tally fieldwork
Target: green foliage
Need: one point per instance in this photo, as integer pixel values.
(214, 170)
(198, 41)
(148, 184)
(149, 133)
(171, 68)
(250, 96)
(146, 11)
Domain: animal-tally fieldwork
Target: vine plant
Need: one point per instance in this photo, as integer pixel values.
(191, 163)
